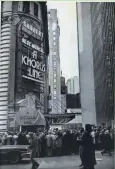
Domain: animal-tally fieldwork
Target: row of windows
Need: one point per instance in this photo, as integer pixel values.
(26, 8)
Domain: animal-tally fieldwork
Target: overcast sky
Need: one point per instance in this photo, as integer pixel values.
(68, 36)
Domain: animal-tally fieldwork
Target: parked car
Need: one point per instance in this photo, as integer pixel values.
(13, 153)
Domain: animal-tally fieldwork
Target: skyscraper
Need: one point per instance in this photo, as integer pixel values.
(54, 62)
(86, 75)
(103, 47)
(73, 85)
(96, 58)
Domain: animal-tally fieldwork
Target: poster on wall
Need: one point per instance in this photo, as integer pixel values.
(28, 114)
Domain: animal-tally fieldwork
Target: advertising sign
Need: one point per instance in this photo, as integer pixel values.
(32, 52)
(28, 114)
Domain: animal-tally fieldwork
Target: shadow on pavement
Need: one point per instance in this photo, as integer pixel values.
(21, 162)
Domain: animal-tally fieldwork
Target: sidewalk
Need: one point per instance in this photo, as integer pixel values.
(68, 162)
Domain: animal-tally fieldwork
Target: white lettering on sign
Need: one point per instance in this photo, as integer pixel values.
(34, 54)
(35, 74)
(33, 63)
(27, 117)
(32, 45)
(35, 69)
(33, 29)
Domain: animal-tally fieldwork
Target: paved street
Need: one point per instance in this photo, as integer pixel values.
(66, 162)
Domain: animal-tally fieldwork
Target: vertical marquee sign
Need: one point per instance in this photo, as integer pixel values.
(33, 67)
(30, 55)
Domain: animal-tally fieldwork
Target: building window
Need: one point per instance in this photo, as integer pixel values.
(54, 38)
(35, 9)
(54, 33)
(54, 43)
(54, 63)
(54, 80)
(26, 7)
(48, 14)
(54, 86)
(54, 92)
(54, 53)
(55, 97)
(54, 74)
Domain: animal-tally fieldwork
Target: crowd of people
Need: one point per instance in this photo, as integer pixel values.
(61, 142)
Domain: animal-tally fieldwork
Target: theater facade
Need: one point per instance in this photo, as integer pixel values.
(24, 49)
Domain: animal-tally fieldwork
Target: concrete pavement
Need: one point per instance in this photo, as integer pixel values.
(64, 162)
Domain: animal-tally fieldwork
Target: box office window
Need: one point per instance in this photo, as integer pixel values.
(26, 7)
(35, 9)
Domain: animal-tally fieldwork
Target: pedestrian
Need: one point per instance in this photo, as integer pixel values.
(33, 147)
(58, 143)
(43, 145)
(79, 139)
(107, 143)
(22, 139)
(67, 143)
(49, 143)
(88, 151)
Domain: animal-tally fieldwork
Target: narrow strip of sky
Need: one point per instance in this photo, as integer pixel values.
(68, 36)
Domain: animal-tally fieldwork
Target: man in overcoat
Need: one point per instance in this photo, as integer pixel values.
(88, 152)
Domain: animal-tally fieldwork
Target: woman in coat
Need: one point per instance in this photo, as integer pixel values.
(88, 152)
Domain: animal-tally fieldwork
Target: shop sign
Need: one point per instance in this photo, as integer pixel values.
(32, 28)
(32, 45)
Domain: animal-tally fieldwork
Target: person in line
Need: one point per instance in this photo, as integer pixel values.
(22, 139)
(49, 143)
(80, 145)
(58, 143)
(107, 143)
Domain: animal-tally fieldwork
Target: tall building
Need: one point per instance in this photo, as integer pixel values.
(103, 47)
(96, 26)
(73, 85)
(86, 75)
(23, 61)
(54, 62)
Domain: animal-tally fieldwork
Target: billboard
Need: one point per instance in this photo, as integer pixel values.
(28, 114)
(30, 57)
(32, 52)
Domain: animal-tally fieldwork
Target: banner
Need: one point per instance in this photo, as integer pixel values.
(28, 114)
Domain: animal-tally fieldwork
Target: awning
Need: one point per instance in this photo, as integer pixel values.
(72, 121)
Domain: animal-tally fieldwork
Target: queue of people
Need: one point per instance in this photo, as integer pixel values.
(58, 142)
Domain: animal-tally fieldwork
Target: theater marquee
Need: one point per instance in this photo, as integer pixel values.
(32, 52)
